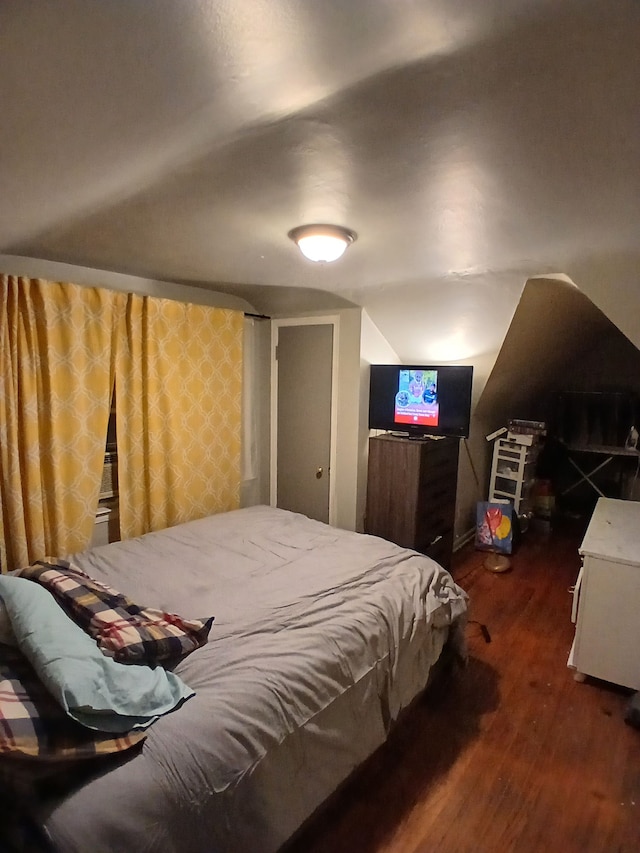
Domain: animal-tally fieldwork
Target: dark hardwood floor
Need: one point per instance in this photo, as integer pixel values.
(511, 753)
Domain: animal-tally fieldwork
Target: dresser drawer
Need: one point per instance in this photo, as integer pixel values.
(434, 495)
(440, 550)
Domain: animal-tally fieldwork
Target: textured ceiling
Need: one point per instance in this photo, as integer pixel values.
(469, 143)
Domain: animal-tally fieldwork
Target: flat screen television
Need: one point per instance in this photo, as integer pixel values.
(421, 400)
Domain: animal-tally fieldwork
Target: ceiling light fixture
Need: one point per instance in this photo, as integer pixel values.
(322, 242)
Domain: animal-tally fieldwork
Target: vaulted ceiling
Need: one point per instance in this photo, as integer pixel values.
(469, 143)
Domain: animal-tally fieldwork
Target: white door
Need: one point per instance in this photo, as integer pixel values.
(303, 427)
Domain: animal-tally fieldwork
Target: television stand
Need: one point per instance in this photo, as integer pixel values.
(411, 493)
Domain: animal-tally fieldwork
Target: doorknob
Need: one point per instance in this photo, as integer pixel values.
(319, 473)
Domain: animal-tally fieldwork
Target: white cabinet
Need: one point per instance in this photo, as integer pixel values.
(606, 606)
(512, 473)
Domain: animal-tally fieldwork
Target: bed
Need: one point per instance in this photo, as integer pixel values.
(320, 638)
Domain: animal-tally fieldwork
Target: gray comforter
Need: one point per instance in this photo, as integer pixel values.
(321, 636)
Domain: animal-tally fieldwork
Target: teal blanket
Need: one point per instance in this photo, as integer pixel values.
(93, 689)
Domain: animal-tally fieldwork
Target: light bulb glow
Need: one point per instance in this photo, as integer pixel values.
(322, 243)
(320, 247)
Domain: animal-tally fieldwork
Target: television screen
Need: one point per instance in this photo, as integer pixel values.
(420, 400)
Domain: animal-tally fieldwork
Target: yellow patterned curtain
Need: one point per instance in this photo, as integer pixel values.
(178, 389)
(56, 374)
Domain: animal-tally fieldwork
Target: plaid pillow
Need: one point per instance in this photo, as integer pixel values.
(122, 629)
(32, 722)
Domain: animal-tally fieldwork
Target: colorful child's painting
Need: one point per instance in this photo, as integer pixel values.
(494, 527)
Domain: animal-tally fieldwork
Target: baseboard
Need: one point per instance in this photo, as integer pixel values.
(463, 539)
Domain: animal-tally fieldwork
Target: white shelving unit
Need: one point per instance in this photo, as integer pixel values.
(512, 473)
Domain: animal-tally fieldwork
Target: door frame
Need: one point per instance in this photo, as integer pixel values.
(321, 320)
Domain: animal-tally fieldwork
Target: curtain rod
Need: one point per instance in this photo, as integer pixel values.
(256, 316)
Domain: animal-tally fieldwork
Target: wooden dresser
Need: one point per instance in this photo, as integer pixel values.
(411, 493)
